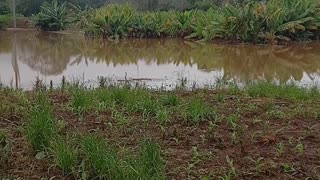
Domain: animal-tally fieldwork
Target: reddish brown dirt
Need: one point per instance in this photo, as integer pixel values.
(259, 138)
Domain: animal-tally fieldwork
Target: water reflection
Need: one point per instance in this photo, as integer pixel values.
(55, 54)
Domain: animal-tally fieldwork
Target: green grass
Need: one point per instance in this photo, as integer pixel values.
(82, 101)
(120, 95)
(242, 120)
(150, 164)
(163, 116)
(141, 101)
(288, 91)
(197, 110)
(65, 154)
(104, 98)
(147, 106)
(170, 100)
(5, 148)
(40, 128)
(4, 20)
(8, 106)
(100, 159)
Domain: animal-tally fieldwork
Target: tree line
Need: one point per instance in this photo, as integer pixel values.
(29, 7)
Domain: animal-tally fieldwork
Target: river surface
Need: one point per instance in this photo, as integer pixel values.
(29, 55)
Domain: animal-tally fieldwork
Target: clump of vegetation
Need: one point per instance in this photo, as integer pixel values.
(4, 20)
(40, 128)
(289, 91)
(65, 154)
(4, 147)
(81, 101)
(273, 21)
(53, 16)
(150, 164)
(100, 158)
(170, 100)
(197, 110)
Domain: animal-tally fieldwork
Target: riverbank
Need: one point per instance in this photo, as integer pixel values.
(263, 131)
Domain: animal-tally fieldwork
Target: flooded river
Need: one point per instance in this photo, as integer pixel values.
(28, 55)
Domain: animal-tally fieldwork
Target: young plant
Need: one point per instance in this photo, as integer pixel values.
(232, 170)
(5, 147)
(170, 100)
(40, 128)
(121, 118)
(197, 111)
(275, 114)
(280, 149)
(81, 101)
(300, 148)
(163, 115)
(150, 163)
(100, 159)
(65, 154)
(258, 163)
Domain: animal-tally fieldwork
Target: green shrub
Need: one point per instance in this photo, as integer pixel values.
(4, 20)
(53, 16)
(113, 21)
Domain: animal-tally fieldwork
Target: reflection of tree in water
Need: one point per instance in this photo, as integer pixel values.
(51, 53)
(246, 62)
(47, 53)
(271, 62)
(5, 42)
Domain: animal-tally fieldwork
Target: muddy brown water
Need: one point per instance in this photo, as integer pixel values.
(28, 55)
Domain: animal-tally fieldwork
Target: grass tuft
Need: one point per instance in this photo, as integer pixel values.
(5, 148)
(100, 159)
(65, 154)
(197, 110)
(170, 100)
(81, 101)
(40, 128)
(150, 164)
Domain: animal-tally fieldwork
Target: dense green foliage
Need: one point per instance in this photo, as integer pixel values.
(4, 20)
(53, 16)
(4, 7)
(29, 7)
(283, 20)
(248, 21)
